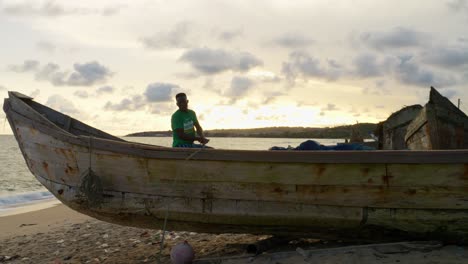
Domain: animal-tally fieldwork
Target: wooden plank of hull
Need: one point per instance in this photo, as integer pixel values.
(338, 184)
(269, 218)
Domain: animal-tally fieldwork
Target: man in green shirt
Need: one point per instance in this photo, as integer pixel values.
(183, 122)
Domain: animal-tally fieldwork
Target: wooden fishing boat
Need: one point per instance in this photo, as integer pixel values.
(361, 194)
(439, 125)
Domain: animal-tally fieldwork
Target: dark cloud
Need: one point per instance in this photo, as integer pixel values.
(45, 46)
(160, 92)
(86, 74)
(61, 104)
(51, 73)
(409, 72)
(52, 9)
(394, 39)
(239, 86)
(293, 41)
(366, 65)
(27, 66)
(301, 64)
(447, 57)
(178, 37)
(135, 103)
(105, 89)
(458, 5)
(329, 107)
(213, 61)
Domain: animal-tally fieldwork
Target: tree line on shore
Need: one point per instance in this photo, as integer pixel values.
(344, 131)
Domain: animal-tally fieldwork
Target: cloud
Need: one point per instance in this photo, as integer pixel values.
(52, 9)
(45, 46)
(86, 74)
(271, 96)
(160, 92)
(230, 35)
(27, 66)
(51, 72)
(154, 93)
(366, 65)
(61, 104)
(105, 89)
(301, 64)
(394, 39)
(458, 5)
(134, 103)
(327, 108)
(35, 93)
(409, 72)
(81, 94)
(178, 37)
(239, 86)
(447, 57)
(213, 61)
(293, 41)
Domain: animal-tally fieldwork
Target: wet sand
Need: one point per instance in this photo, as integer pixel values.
(61, 235)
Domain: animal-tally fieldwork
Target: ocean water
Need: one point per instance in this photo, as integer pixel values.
(19, 187)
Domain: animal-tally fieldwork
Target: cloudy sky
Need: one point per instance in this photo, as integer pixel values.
(117, 65)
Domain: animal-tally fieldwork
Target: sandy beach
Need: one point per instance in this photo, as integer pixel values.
(60, 235)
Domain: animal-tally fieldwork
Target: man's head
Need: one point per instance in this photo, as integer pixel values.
(182, 102)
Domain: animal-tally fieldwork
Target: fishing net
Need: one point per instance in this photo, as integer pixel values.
(91, 188)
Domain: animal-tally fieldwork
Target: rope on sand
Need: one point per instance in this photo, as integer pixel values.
(166, 215)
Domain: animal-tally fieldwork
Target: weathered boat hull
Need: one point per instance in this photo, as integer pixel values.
(439, 125)
(364, 194)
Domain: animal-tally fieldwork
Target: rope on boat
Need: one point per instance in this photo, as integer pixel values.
(91, 185)
(166, 215)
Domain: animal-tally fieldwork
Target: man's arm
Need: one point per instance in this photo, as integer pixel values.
(182, 135)
(202, 138)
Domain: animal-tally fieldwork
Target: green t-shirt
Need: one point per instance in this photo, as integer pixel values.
(185, 120)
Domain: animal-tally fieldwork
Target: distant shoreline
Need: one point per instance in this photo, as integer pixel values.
(364, 129)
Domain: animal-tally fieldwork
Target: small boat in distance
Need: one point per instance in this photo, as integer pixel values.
(439, 125)
(322, 194)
